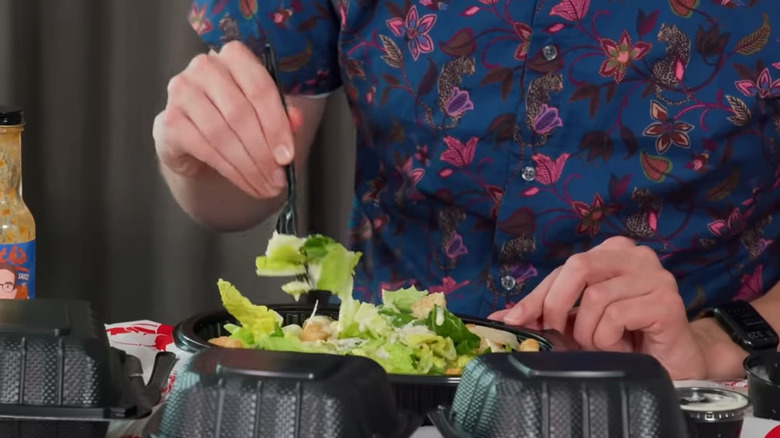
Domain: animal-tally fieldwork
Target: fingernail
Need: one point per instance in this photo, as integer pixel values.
(512, 319)
(283, 155)
(280, 179)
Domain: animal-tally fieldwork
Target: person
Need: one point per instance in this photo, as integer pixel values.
(7, 282)
(595, 167)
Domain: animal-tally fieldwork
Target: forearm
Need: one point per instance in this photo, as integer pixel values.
(724, 357)
(213, 201)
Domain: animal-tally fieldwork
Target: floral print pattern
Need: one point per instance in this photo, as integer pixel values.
(415, 30)
(667, 132)
(496, 138)
(620, 55)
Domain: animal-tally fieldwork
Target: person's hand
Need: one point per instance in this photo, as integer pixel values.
(627, 302)
(224, 113)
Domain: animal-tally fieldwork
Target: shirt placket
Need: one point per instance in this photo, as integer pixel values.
(507, 280)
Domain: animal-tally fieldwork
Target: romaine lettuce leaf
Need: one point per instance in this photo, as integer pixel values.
(278, 332)
(293, 344)
(286, 248)
(292, 330)
(365, 322)
(297, 288)
(260, 320)
(283, 257)
(337, 269)
(462, 360)
(395, 317)
(402, 299)
(445, 324)
(243, 334)
(317, 247)
(267, 267)
(394, 357)
(441, 346)
(428, 362)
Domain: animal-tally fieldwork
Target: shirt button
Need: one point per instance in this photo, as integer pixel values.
(508, 282)
(529, 173)
(550, 52)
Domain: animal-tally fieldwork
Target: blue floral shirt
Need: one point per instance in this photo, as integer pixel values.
(498, 137)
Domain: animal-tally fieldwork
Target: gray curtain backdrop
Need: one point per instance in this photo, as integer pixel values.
(91, 76)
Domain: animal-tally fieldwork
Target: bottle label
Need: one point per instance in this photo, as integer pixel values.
(17, 270)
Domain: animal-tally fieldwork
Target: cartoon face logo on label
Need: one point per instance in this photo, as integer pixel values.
(17, 271)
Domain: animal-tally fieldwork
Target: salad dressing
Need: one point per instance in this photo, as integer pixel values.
(17, 226)
(439, 316)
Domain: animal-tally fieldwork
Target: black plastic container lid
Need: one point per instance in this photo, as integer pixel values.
(712, 404)
(226, 393)
(565, 394)
(57, 363)
(764, 366)
(763, 376)
(11, 115)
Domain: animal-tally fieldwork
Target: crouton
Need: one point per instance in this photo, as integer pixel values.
(315, 331)
(225, 342)
(529, 345)
(422, 307)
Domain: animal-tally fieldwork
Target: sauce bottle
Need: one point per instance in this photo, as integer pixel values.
(17, 226)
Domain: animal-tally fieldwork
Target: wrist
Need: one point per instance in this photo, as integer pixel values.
(214, 202)
(723, 357)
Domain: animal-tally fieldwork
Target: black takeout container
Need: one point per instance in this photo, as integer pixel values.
(763, 376)
(58, 375)
(567, 394)
(238, 393)
(415, 393)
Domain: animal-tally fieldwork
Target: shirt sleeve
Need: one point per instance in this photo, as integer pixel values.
(304, 34)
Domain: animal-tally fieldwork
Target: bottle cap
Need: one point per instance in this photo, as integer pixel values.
(11, 115)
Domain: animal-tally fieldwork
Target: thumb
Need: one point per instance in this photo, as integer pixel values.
(499, 315)
(296, 118)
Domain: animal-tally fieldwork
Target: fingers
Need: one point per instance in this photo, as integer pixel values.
(209, 75)
(261, 92)
(596, 298)
(501, 315)
(553, 299)
(616, 258)
(529, 309)
(223, 142)
(617, 242)
(620, 318)
(173, 120)
(233, 107)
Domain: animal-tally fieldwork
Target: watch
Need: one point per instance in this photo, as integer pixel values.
(745, 326)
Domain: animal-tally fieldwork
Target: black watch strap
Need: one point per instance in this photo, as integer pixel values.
(745, 326)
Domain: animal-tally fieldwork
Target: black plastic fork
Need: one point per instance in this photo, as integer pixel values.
(287, 221)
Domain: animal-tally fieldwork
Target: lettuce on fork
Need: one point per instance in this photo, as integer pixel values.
(330, 266)
(410, 332)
